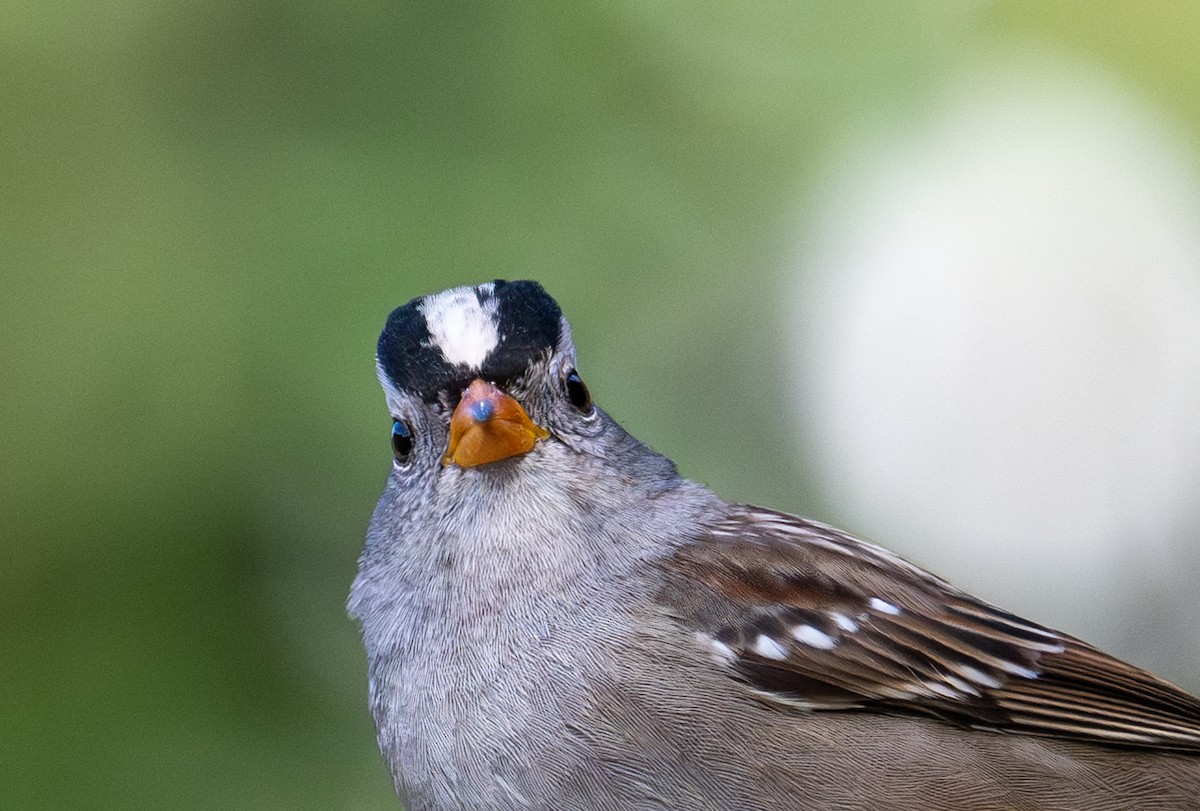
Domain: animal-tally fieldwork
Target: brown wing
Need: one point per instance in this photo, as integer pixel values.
(809, 616)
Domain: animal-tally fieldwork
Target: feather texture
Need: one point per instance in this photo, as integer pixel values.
(809, 616)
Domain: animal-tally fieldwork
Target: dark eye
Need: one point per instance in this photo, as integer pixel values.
(577, 392)
(402, 440)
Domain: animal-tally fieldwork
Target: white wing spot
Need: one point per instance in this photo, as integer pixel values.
(961, 685)
(978, 676)
(462, 329)
(941, 690)
(813, 637)
(845, 623)
(1018, 670)
(723, 653)
(883, 606)
(768, 648)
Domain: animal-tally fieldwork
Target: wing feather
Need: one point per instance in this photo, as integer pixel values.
(809, 616)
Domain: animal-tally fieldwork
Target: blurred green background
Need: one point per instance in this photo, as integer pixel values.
(207, 211)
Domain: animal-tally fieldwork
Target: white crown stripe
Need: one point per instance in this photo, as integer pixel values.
(463, 330)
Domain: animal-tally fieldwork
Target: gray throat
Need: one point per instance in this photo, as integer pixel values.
(475, 607)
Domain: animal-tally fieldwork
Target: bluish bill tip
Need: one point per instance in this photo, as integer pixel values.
(482, 410)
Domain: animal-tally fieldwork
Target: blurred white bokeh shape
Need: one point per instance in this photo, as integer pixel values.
(999, 353)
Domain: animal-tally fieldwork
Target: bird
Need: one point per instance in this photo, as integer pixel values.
(555, 618)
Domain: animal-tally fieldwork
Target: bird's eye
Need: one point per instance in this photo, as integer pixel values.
(577, 392)
(402, 440)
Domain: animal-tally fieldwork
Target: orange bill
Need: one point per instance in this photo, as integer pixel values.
(488, 426)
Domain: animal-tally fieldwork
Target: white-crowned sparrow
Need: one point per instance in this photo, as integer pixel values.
(554, 619)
